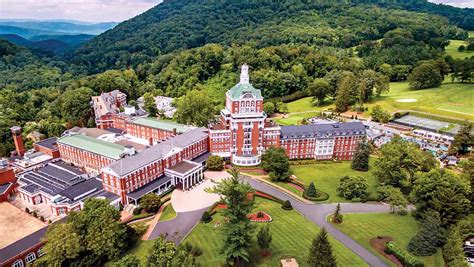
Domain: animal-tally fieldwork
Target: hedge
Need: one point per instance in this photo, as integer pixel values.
(321, 196)
(312, 161)
(402, 255)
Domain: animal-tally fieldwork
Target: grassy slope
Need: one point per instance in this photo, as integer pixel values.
(450, 99)
(168, 213)
(326, 177)
(363, 227)
(292, 236)
(452, 49)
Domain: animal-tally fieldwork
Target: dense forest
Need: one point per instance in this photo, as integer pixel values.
(176, 25)
(346, 51)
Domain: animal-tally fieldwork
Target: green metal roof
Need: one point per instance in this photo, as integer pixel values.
(93, 145)
(163, 125)
(240, 89)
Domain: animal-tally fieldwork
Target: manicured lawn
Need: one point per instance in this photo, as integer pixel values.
(168, 213)
(450, 99)
(452, 49)
(363, 227)
(292, 236)
(326, 177)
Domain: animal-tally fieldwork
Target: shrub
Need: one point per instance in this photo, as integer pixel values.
(42, 218)
(403, 212)
(137, 211)
(287, 205)
(49, 221)
(351, 187)
(215, 163)
(150, 202)
(35, 214)
(120, 206)
(311, 190)
(27, 210)
(260, 214)
(403, 256)
(206, 217)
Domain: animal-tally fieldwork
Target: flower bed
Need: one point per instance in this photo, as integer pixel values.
(260, 216)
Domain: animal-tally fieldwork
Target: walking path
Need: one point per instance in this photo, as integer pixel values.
(178, 228)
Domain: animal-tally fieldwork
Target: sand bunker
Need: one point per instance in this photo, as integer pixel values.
(407, 100)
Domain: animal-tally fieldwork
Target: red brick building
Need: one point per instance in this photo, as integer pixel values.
(106, 105)
(90, 153)
(133, 176)
(243, 133)
(7, 180)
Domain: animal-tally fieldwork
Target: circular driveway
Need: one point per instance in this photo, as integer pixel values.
(197, 198)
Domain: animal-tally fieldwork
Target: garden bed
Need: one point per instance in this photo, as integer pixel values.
(260, 216)
(378, 243)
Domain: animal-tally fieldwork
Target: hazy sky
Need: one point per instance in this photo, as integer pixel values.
(85, 10)
(100, 10)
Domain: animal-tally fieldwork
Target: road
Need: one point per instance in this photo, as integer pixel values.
(177, 229)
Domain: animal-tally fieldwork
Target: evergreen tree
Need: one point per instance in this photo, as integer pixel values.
(311, 190)
(360, 161)
(264, 238)
(320, 253)
(430, 236)
(237, 231)
(337, 216)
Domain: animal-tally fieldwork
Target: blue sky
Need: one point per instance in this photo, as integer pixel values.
(100, 10)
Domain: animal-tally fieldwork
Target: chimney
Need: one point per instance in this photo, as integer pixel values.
(150, 141)
(244, 74)
(18, 140)
(174, 131)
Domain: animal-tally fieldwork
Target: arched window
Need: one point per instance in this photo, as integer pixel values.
(30, 257)
(18, 263)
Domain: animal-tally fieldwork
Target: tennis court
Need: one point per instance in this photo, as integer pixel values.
(428, 124)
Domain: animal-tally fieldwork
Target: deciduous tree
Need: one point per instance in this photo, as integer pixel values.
(215, 163)
(151, 202)
(194, 108)
(351, 187)
(275, 161)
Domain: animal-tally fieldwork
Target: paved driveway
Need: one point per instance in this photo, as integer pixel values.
(197, 198)
(317, 213)
(177, 229)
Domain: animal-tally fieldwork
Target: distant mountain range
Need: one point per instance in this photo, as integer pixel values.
(55, 43)
(57, 36)
(61, 27)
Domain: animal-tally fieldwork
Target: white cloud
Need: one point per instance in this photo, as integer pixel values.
(456, 3)
(85, 10)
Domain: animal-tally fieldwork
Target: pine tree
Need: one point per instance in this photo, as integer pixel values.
(337, 216)
(311, 190)
(264, 238)
(360, 161)
(430, 236)
(237, 231)
(320, 253)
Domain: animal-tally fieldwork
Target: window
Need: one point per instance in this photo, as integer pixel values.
(30, 257)
(18, 263)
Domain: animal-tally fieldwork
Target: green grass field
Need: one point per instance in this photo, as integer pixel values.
(292, 236)
(450, 99)
(326, 177)
(168, 213)
(363, 227)
(452, 49)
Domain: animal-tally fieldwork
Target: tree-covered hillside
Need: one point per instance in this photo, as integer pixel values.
(176, 25)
